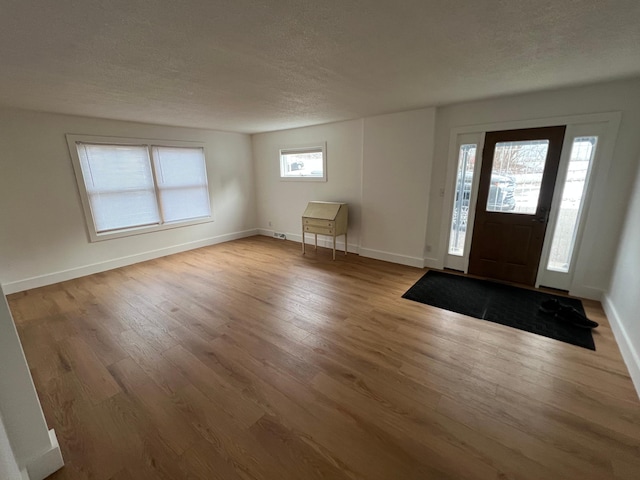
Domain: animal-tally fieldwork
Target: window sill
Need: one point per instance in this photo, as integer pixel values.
(128, 232)
(303, 178)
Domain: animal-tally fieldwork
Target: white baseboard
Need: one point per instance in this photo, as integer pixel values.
(436, 263)
(591, 293)
(629, 352)
(323, 241)
(45, 464)
(61, 276)
(392, 257)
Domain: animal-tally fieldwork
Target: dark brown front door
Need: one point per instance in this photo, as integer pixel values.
(518, 175)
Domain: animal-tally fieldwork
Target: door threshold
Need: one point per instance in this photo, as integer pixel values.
(541, 288)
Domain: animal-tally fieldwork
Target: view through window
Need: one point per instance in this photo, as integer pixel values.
(516, 176)
(564, 235)
(307, 163)
(464, 179)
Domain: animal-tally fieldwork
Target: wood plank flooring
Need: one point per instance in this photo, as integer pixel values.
(247, 360)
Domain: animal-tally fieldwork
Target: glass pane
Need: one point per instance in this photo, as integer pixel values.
(126, 209)
(564, 236)
(466, 163)
(305, 163)
(182, 183)
(516, 176)
(119, 183)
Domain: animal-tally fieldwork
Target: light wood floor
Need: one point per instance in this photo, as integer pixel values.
(246, 360)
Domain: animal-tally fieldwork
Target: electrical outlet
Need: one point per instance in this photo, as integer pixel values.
(269, 222)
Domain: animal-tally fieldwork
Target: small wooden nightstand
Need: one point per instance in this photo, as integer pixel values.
(325, 218)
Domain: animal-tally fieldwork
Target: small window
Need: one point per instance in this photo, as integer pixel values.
(306, 163)
(128, 187)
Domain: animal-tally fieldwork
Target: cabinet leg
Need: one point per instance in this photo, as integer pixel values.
(316, 241)
(303, 252)
(334, 247)
(345, 244)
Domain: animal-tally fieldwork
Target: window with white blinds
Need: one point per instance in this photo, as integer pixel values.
(129, 188)
(119, 184)
(181, 178)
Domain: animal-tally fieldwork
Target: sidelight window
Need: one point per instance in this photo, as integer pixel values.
(564, 236)
(464, 181)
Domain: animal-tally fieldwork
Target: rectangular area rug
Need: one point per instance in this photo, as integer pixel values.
(499, 303)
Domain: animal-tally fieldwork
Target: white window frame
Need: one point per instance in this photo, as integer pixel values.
(310, 147)
(461, 262)
(73, 140)
(562, 280)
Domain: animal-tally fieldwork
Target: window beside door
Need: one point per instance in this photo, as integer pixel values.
(462, 199)
(564, 236)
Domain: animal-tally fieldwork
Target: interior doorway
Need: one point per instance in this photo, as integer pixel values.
(515, 190)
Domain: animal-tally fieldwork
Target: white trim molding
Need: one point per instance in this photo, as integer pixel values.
(46, 463)
(64, 275)
(322, 241)
(364, 252)
(585, 291)
(630, 354)
(435, 263)
(392, 257)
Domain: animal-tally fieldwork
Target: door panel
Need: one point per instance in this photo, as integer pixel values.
(519, 169)
(516, 251)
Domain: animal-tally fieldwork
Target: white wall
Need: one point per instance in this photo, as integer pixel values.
(9, 469)
(43, 236)
(622, 301)
(606, 212)
(398, 154)
(378, 165)
(283, 202)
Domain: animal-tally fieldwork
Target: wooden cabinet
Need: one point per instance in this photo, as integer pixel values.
(325, 218)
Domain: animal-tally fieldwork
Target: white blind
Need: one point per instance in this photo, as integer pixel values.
(119, 184)
(182, 183)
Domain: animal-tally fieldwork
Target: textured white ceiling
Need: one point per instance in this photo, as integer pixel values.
(260, 65)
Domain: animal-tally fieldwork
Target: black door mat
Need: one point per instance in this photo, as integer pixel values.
(499, 303)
